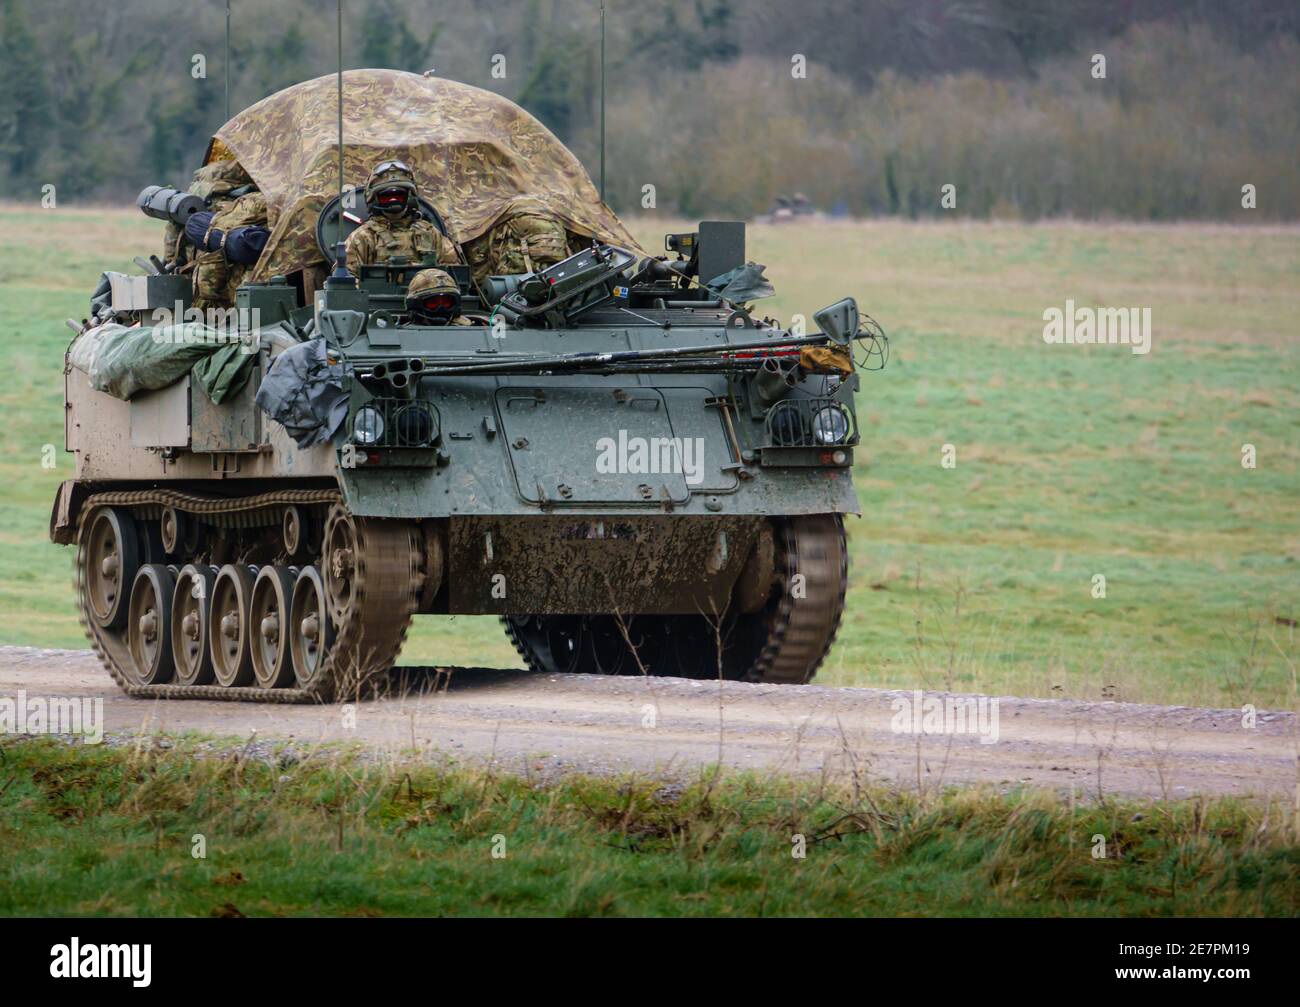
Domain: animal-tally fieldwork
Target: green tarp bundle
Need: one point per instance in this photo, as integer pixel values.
(123, 361)
(223, 373)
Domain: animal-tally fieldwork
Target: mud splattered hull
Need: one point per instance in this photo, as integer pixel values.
(554, 565)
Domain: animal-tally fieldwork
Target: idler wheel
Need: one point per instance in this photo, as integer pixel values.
(112, 558)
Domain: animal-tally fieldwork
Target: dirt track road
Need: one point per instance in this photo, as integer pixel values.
(548, 724)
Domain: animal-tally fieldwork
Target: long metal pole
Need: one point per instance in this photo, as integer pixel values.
(579, 361)
(227, 60)
(602, 100)
(339, 236)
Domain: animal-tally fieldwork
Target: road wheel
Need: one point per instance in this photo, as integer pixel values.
(565, 639)
(311, 632)
(692, 641)
(610, 654)
(149, 633)
(232, 652)
(654, 647)
(191, 625)
(269, 622)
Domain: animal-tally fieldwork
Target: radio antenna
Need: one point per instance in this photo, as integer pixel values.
(227, 60)
(602, 100)
(339, 238)
(340, 276)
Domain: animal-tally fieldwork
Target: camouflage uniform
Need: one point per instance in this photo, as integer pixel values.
(525, 238)
(381, 240)
(216, 278)
(212, 183)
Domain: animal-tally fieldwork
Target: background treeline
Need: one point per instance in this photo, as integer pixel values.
(901, 97)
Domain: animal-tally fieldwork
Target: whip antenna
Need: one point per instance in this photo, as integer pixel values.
(227, 60)
(340, 89)
(340, 276)
(602, 100)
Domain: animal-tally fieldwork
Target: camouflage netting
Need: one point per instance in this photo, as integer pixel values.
(472, 152)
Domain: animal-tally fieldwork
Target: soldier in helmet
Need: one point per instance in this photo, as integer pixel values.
(432, 298)
(395, 228)
(526, 237)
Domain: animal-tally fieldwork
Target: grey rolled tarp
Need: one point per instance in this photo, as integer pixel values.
(305, 393)
(742, 284)
(101, 298)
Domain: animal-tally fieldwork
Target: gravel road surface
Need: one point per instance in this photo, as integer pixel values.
(550, 724)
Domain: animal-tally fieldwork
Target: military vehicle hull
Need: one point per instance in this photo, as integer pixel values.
(544, 502)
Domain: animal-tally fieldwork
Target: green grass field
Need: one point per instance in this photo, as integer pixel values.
(1071, 461)
(101, 831)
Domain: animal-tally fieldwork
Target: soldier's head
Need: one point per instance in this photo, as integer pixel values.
(390, 190)
(432, 298)
(218, 178)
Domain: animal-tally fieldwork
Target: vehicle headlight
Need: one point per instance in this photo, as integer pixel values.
(367, 426)
(830, 425)
(414, 426)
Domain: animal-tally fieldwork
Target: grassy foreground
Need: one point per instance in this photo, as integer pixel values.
(1072, 462)
(112, 831)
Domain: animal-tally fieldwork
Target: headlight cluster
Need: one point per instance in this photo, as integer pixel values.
(811, 423)
(385, 423)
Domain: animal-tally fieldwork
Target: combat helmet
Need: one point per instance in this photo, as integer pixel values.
(390, 190)
(432, 298)
(218, 178)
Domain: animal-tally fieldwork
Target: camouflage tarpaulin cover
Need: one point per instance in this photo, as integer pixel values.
(472, 151)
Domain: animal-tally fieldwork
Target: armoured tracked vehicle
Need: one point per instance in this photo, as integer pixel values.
(626, 465)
